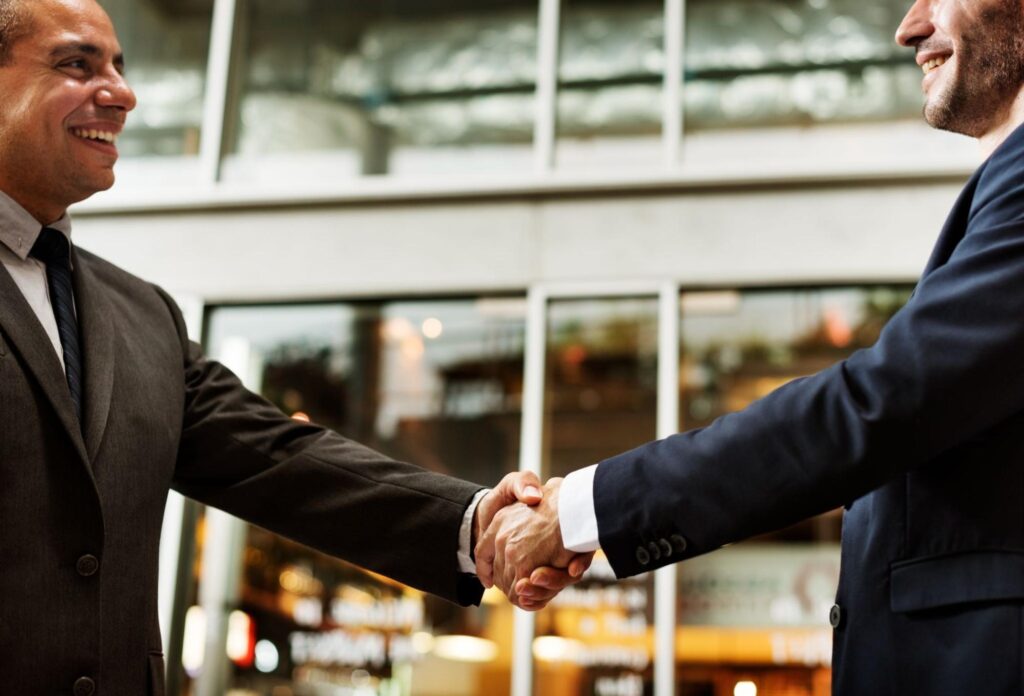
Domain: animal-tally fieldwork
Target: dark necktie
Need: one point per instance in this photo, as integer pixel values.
(53, 249)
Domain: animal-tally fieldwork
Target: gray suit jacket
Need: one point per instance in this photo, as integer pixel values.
(80, 516)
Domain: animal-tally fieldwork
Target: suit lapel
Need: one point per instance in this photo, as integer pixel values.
(29, 339)
(97, 336)
(956, 225)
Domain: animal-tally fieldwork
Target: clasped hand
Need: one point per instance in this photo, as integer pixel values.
(519, 542)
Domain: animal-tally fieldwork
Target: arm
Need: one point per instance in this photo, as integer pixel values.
(240, 453)
(945, 370)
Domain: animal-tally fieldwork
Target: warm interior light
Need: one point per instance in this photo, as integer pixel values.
(432, 327)
(422, 642)
(241, 641)
(745, 688)
(465, 648)
(300, 416)
(194, 641)
(556, 649)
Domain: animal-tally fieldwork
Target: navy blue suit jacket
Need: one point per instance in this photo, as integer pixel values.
(924, 432)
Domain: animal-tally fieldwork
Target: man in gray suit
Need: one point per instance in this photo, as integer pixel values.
(105, 405)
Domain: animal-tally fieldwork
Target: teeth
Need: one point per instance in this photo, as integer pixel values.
(92, 134)
(930, 65)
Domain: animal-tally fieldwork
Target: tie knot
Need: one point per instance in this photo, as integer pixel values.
(51, 247)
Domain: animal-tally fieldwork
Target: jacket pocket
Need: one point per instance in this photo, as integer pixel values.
(938, 581)
(157, 684)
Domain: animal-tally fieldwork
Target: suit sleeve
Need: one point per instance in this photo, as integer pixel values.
(239, 453)
(946, 368)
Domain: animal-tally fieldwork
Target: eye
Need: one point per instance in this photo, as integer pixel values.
(75, 65)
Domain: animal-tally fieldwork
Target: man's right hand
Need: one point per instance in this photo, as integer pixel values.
(522, 553)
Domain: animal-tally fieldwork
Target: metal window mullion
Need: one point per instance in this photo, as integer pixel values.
(672, 107)
(218, 81)
(530, 456)
(668, 424)
(548, 29)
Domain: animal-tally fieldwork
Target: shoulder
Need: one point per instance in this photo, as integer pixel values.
(999, 193)
(125, 291)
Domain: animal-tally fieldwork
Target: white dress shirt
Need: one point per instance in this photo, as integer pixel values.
(577, 518)
(18, 232)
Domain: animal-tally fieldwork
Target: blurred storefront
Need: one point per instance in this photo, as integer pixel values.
(503, 234)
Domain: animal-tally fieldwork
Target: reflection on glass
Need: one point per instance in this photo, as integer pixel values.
(386, 87)
(771, 62)
(436, 383)
(757, 611)
(165, 43)
(600, 399)
(610, 83)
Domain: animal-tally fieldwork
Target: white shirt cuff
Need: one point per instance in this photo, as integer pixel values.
(466, 564)
(576, 515)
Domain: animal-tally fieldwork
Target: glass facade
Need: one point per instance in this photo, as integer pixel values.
(752, 63)
(166, 45)
(438, 383)
(326, 90)
(386, 87)
(610, 74)
(757, 611)
(600, 399)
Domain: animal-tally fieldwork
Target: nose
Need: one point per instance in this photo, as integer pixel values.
(916, 25)
(115, 93)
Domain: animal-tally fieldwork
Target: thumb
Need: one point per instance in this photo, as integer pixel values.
(526, 487)
(579, 564)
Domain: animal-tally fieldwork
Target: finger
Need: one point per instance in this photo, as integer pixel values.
(527, 487)
(551, 578)
(579, 565)
(527, 591)
(532, 605)
(485, 553)
(500, 568)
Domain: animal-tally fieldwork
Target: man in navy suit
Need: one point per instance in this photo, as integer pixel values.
(921, 436)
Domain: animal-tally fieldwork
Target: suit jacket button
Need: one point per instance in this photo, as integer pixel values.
(835, 616)
(84, 686)
(87, 565)
(642, 557)
(654, 550)
(678, 542)
(666, 548)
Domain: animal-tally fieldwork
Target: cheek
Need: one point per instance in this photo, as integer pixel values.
(953, 16)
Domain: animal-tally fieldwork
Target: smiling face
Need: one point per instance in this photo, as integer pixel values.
(972, 53)
(64, 103)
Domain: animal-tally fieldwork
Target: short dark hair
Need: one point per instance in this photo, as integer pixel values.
(13, 27)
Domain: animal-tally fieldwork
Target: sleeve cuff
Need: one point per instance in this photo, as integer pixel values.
(466, 563)
(576, 516)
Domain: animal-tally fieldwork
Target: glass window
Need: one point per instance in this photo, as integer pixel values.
(438, 383)
(338, 88)
(600, 399)
(796, 62)
(610, 83)
(758, 611)
(166, 43)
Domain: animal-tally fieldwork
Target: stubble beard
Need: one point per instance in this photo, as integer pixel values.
(989, 75)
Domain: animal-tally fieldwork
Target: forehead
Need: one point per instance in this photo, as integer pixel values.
(55, 23)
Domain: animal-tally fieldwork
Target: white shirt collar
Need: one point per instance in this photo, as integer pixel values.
(19, 230)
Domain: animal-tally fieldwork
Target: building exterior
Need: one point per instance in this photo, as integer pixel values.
(516, 234)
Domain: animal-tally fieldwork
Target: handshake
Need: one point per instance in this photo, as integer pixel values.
(517, 541)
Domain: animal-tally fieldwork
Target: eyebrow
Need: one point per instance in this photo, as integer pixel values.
(86, 48)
